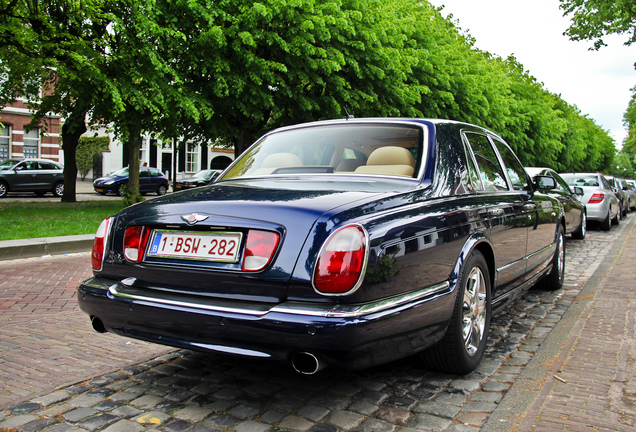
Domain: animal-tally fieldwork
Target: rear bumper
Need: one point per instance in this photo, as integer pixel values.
(345, 336)
(597, 212)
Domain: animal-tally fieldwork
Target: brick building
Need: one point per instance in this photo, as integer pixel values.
(44, 142)
(41, 142)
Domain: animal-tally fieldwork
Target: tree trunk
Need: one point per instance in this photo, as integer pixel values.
(134, 146)
(242, 142)
(72, 130)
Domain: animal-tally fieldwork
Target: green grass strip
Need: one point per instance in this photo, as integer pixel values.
(19, 220)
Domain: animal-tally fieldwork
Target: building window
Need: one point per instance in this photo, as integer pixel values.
(5, 142)
(192, 158)
(31, 143)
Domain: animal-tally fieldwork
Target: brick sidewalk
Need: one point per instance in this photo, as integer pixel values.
(596, 385)
(45, 340)
(585, 377)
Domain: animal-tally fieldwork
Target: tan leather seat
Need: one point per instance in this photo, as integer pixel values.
(390, 160)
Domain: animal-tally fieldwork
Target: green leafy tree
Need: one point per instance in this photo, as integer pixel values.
(594, 19)
(52, 46)
(629, 120)
(87, 149)
(265, 64)
(622, 165)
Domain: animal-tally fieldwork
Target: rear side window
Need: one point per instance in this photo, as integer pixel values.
(48, 166)
(490, 170)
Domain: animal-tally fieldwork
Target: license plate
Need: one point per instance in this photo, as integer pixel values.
(99, 190)
(212, 246)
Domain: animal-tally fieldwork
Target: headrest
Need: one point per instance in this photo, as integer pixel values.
(391, 155)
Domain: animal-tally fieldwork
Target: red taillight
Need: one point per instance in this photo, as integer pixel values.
(596, 198)
(99, 245)
(135, 241)
(341, 263)
(259, 249)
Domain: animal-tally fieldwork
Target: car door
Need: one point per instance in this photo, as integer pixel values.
(543, 212)
(508, 211)
(47, 175)
(568, 199)
(25, 177)
(144, 180)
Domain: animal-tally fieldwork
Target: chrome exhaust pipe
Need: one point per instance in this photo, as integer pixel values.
(307, 363)
(98, 325)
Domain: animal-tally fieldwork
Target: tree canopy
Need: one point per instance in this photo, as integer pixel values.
(229, 70)
(594, 19)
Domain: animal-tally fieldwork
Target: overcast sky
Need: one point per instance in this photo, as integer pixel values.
(597, 82)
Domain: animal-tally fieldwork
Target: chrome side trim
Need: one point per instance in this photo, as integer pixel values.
(359, 310)
(324, 310)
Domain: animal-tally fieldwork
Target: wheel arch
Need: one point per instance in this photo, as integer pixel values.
(480, 242)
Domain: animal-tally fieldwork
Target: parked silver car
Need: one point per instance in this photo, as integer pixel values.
(599, 198)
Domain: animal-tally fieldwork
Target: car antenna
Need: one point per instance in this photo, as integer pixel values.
(348, 116)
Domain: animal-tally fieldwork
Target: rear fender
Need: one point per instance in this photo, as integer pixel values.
(479, 241)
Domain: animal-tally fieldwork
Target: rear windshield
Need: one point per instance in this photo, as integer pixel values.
(581, 179)
(388, 150)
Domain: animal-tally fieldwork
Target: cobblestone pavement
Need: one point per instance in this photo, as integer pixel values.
(181, 390)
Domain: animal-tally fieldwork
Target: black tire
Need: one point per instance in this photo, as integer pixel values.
(464, 343)
(162, 189)
(554, 280)
(617, 218)
(58, 189)
(581, 231)
(4, 189)
(606, 224)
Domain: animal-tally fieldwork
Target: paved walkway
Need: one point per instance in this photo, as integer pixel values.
(45, 340)
(585, 377)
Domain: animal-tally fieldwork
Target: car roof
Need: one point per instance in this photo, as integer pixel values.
(18, 160)
(387, 120)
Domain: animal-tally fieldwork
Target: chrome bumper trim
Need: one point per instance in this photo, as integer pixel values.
(126, 291)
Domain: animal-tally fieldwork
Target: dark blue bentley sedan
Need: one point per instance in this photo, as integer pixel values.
(347, 243)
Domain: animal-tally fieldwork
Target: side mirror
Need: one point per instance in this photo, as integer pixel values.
(544, 182)
(578, 190)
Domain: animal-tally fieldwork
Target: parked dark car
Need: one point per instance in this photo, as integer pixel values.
(575, 211)
(600, 200)
(347, 243)
(151, 180)
(31, 175)
(201, 178)
(621, 194)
